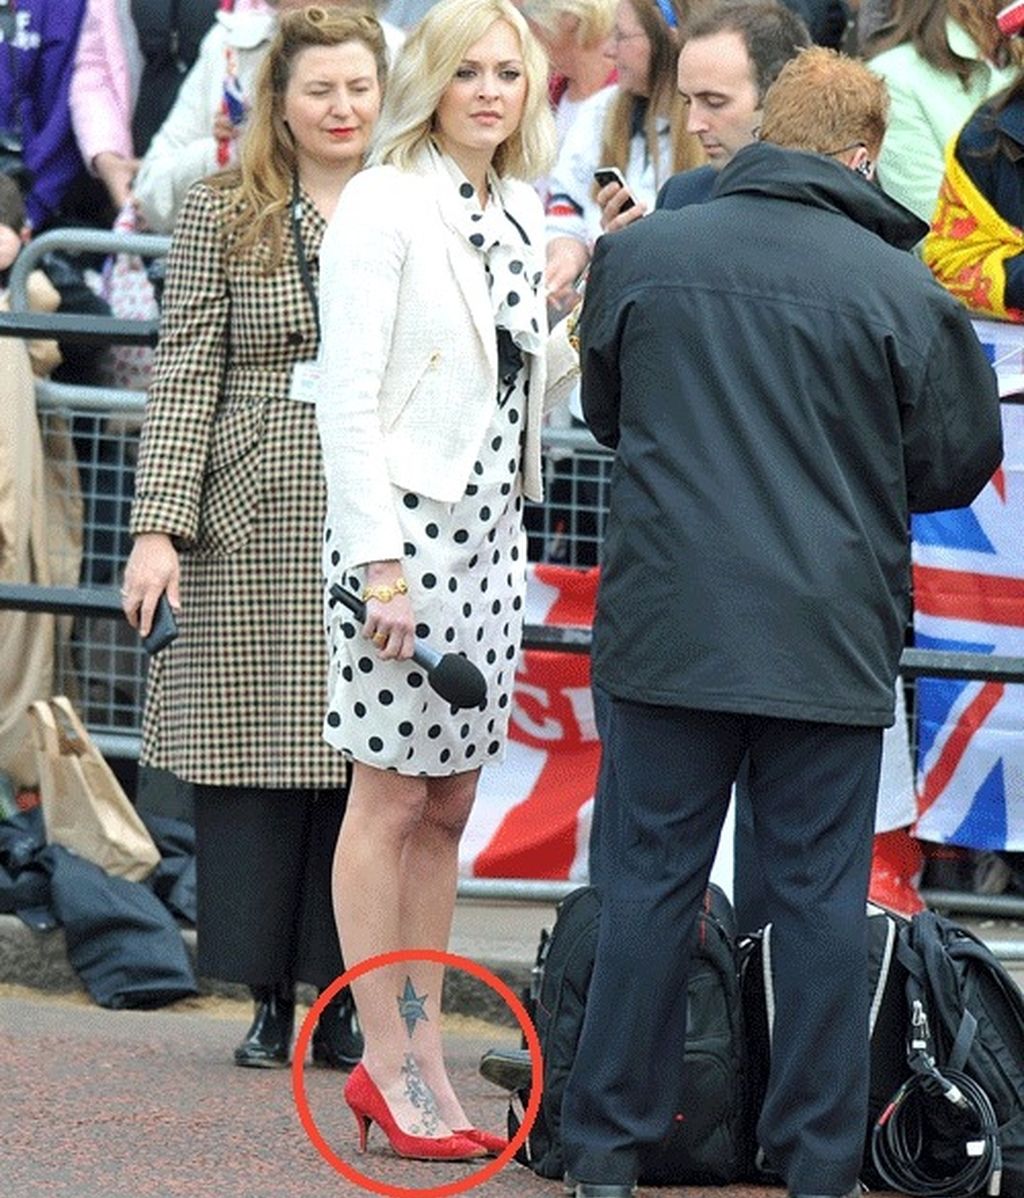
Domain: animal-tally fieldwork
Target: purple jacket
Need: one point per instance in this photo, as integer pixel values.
(43, 56)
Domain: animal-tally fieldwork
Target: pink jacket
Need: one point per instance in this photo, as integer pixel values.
(103, 83)
(105, 80)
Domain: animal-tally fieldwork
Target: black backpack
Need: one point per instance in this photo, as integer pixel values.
(975, 1017)
(886, 982)
(711, 1145)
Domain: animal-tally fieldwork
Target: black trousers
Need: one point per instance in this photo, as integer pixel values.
(263, 884)
(664, 794)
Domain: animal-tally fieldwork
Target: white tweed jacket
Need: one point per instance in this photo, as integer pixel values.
(410, 368)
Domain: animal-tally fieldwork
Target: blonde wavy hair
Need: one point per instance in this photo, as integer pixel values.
(427, 65)
(267, 160)
(663, 98)
(594, 17)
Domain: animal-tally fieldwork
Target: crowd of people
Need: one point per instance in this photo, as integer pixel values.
(391, 261)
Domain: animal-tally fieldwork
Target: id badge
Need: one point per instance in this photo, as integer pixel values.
(306, 381)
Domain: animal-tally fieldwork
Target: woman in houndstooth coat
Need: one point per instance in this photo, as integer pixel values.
(227, 516)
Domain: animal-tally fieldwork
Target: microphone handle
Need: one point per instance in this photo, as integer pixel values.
(422, 654)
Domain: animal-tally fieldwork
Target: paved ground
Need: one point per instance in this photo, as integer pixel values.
(101, 1104)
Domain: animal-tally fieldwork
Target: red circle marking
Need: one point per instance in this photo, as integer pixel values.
(453, 961)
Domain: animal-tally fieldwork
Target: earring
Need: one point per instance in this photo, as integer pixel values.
(864, 168)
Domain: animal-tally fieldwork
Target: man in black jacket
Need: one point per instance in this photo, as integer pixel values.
(783, 385)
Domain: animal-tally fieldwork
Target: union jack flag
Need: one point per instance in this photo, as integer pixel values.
(969, 596)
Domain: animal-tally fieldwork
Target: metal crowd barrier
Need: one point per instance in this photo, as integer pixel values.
(101, 662)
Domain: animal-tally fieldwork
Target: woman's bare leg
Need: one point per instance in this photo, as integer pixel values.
(395, 873)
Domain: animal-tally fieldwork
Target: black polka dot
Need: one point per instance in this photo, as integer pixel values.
(492, 656)
(477, 468)
(327, 535)
(496, 606)
(445, 754)
(494, 746)
(517, 603)
(473, 561)
(434, 731)
(495, 557)
(409, 549)
(501, 677)
(476, 239)
(470, 750)
(490, 725)
(409, 756)
(534, 325)
(375, 743)
(365, 664)
(461, 536)
(484, 584)
(514, 553)
(423, 631)
(386, 697)
(349, 630)
(515, 266)
(431, 530)
(453, 584)
(510, 652)
(467, 610)
(335, 558)
(479, 634)
(512, 298)
(478, 216)
(405, 729)
(504, 631)
(538, 275)
(414, 678)
(449, 635)
(429, 581)
(496, 444)
(353, 583)
(347, 674)
(466, 190)
(333, 719)
(472, 488)
(464, 731)
(503, 700)
(512, 464)
(513, 416)
(492, 536)
(410, 500)
(359, 709)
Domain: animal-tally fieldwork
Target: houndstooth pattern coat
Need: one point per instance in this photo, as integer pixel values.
(230, 468)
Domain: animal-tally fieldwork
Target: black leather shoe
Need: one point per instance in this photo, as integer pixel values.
(509, 1068)
(591, 1189)
(268, 1043)
(337, 1038)
(854, 1193)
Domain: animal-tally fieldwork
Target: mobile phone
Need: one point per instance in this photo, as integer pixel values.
(164, 628)
(611, 174)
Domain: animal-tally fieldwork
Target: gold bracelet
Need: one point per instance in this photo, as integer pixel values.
(385, 593)
(571, 323)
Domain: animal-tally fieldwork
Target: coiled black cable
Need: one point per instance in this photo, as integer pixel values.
(920, 1143)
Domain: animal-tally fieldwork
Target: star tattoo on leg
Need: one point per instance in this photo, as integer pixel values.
(411, 1006)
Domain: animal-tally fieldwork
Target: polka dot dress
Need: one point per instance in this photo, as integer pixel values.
(465, 564)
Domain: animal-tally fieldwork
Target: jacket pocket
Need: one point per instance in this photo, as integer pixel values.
(232, 480)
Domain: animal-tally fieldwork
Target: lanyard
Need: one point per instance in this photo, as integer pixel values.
(300, 254)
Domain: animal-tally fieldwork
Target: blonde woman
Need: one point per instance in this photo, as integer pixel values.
(574, 33)
(638, 126)
(227, 515)
(436, 373)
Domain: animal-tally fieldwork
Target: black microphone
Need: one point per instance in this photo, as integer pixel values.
(455, 678)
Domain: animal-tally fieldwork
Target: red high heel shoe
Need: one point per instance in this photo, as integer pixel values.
(369, 1106)
(493, 1145)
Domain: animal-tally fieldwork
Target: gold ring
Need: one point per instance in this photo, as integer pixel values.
(380, 638)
